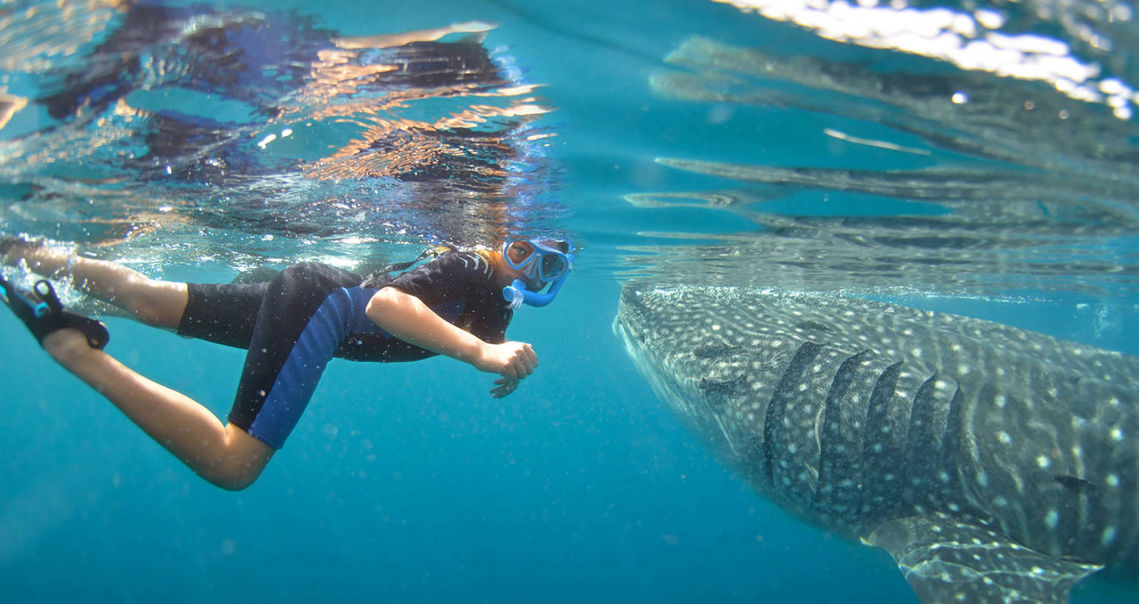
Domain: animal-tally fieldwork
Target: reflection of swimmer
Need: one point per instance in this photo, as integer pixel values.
(425, 129)
(257, 69)
(458, 305)
(261, 60)
(248, 56)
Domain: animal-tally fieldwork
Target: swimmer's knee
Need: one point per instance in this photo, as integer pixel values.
(154, 302)
(231, 483)
(234, 473)
(240, 463)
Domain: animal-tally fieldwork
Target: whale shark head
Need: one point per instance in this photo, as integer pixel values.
(697, 361)
(992, 463)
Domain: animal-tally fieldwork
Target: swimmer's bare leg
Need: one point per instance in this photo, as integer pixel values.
(223, 454)
(151, 301)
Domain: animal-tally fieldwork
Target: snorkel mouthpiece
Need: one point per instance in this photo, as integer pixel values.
(516, 294)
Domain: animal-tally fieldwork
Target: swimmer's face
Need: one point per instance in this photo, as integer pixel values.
(531, 265)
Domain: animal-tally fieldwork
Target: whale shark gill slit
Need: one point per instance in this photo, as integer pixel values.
(881, 447)
(838, 444)
(785, 394)
(925, 437)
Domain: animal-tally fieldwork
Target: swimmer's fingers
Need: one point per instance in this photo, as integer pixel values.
(523, 361)
(509, 359)
(505, 387)
(526, 362)
(520, 369)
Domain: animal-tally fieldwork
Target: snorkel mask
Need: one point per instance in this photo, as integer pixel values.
(542, 264)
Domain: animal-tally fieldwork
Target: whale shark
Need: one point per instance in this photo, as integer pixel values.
(992, 463)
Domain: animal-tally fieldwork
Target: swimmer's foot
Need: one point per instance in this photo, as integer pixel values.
(43, 314)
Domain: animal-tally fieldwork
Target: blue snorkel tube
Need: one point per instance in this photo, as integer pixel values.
(516, 293)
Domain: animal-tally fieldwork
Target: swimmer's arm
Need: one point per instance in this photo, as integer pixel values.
(409, 319)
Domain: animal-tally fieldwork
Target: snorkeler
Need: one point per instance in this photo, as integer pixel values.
(458, 305)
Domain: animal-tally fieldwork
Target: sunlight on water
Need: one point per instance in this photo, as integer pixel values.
(38, 37)
(971, 41)
(986, 204)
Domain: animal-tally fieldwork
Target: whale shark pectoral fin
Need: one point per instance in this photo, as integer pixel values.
(947, 559)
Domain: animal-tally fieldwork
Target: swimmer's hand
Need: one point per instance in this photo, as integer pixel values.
(512, 360)
(504, 387)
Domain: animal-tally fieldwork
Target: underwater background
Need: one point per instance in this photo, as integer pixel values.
(974, 158)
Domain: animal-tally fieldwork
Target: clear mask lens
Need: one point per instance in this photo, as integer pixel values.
(518, 254)
(553, 266)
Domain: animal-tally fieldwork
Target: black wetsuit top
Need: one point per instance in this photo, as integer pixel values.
(293, 325)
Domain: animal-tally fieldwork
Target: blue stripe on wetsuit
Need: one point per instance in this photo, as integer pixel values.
(341, 315)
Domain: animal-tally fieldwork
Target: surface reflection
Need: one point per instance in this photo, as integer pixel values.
(175, 123)
(1022, 188)
(971, 40)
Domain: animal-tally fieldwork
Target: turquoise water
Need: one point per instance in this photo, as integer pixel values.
(678, 142)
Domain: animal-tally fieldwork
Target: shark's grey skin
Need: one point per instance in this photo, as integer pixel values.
(993, 463)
